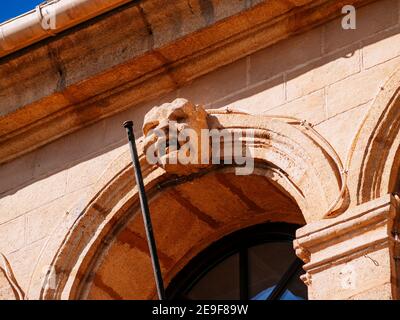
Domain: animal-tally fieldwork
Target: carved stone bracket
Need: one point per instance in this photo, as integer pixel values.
(353, 256)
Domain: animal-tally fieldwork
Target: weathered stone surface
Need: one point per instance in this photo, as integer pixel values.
(12, 235)
(382, 49)
(132, 56)
(371, 19)
(24, 262)
(184, 227)
(321, 73)
(42, 221)
(285, 55)
(115, 69)
(310, 107)
(352, 254)
(32, 196)
(171, 120)
(6, 292)
(366, 85)
(10, 288)
(255, 99)
(217, 84)
(340, 137)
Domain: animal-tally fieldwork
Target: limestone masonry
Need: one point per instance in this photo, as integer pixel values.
(323, 103)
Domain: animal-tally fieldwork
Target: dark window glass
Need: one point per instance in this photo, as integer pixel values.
(297, 287)
(220, 283)
(257, 263)
(267, 264)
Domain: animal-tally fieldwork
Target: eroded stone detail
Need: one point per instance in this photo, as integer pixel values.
(353, 255)
(172, 119)
(306, 278)
(301, 252)
(275, 142)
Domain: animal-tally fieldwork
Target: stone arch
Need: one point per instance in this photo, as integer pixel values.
(291, 165)
(375, 159)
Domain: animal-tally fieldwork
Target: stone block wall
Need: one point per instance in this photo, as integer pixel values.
(327, 75)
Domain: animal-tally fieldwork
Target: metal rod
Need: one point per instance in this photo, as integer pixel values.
(128, 125)
(281, 287)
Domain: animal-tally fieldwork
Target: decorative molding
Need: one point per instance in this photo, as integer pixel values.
(359, 232)
(374, 165)
(293, 159)
(6, 268)
(152, 63)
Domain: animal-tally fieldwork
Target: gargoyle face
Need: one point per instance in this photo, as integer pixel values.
(173, 130)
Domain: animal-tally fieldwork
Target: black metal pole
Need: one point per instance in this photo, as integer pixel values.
(145, 211)
(280, 288)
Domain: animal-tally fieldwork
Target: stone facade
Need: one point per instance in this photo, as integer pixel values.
(68, 205)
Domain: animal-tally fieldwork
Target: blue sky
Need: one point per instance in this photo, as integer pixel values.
(13, 8)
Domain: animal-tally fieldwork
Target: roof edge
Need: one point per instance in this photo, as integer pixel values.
(48, 19)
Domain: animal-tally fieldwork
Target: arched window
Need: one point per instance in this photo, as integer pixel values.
(256, 263)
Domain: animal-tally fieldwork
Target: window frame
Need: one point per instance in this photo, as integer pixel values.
(237, 242)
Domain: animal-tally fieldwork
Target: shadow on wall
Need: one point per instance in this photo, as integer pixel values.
(263, 82)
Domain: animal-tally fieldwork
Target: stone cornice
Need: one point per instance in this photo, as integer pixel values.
(132, 55)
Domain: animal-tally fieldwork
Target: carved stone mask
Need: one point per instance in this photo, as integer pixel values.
(162, 127)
